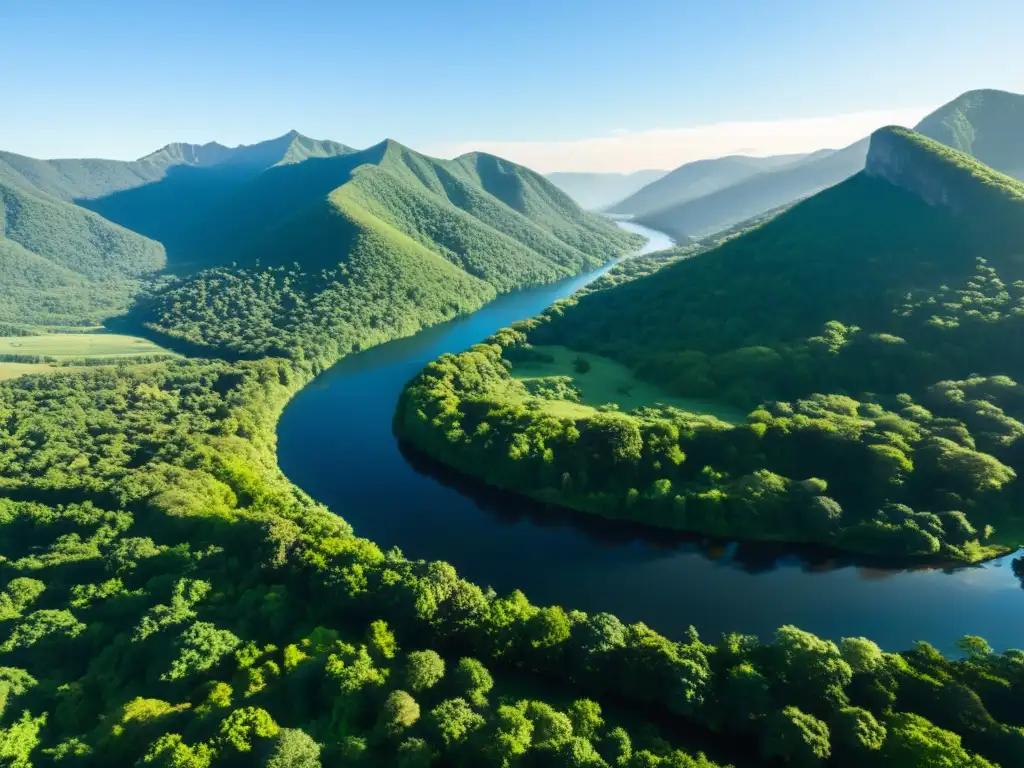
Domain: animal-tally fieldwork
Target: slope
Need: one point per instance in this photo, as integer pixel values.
(986, 124)
(874, 329)
(699, 216)
(697, 179)
(62, 264)
(378, 242)
(595, 191)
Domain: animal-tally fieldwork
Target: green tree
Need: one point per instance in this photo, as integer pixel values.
(472, 680)
(291, 748)
(400, 712)
(423, 670)
(796, 737)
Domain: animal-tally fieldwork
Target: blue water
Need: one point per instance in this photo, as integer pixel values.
(335, 441)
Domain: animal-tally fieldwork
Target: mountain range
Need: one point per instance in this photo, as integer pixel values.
(82, 233)
(986, 124)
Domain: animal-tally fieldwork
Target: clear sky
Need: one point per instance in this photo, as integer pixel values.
(557, 84)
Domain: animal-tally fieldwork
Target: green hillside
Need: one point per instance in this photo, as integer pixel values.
(754, 194)
(61, 264)
(697, 179)
(596, 191)
(378, 242)
(986, 124)
(871, 332)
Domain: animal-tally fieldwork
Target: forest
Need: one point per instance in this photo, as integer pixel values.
(171, 599)
(882, 406)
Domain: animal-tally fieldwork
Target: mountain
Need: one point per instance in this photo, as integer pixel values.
(871, 333)
(986, 124)
(61, 264)
(696, 179)
(167, 193)
(709, 211)
(384, 239)
(594, 191)
(87, 179)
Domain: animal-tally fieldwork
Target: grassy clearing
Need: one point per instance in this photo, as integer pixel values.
(14, 370)
(607, 381)
(76, 345)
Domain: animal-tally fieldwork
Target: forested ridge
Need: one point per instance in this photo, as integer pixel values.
(883, 403)
(366, 247)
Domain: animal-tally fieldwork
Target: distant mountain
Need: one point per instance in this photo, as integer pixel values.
(86, 179)
(696, 179)
(986, 124)
(384, 238)
(595, 191)
(757, 194)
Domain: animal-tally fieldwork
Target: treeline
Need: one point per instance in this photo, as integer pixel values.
(170, 599)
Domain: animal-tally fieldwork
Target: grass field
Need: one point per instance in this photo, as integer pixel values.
(14, 370)
(75, 345)
(610, 382)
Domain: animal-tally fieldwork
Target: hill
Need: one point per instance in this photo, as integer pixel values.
(870, 332)
(63, 265)
(596, 191)
(697, 179)
(986, 124)
(754, 193)
(371, 244)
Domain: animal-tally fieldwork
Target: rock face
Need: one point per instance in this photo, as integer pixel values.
(901, 162)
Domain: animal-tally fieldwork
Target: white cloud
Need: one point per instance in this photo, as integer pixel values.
(626, 150)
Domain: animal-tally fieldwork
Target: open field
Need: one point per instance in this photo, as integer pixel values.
(14, 370)
(76, 345)
(607, 381)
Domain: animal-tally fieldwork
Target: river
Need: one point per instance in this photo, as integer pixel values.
(335, 442)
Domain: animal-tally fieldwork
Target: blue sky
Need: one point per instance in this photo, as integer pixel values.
(561, 84)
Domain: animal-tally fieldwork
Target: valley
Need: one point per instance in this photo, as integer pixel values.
(293, 435)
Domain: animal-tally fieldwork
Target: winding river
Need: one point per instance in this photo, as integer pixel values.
(335, 441)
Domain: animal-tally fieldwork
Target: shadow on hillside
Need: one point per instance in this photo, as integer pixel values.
(207, 216)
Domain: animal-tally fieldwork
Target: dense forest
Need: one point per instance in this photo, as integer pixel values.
(170, 599)
(883, 404)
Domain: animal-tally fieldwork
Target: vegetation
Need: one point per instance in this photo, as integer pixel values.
(596, 191)
(986, 124)
(884, 413)
(61, 264)
(697, 179)
(170, 599)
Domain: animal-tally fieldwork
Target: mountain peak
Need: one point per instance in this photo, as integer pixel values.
(937, 174)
